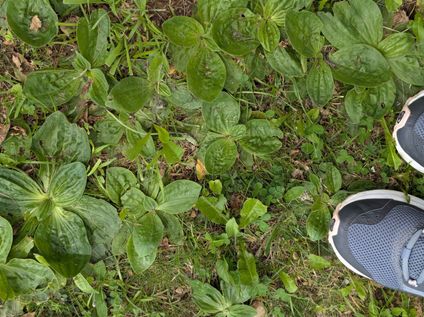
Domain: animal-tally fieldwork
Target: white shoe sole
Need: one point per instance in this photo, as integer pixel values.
(399, 125)
(371, 194)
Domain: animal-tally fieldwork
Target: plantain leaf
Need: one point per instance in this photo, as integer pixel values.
(53, 88)
(235, 31)
(247, 268)
(68, 184)
(6, 239)
(220, 156)
(60, 141)
(207, 206)
(242, 311)
(102, 223)
(18, 192)
(284, 63)
(208, 298)
(360, 65)
(62, 240)
(353, 105)
(99, 88)
(252, 210)
(172, 226)
(206, 74)
(92, 37)
(130, 94)
(208, 10)
(33, 21)
(183, 31)
(144, 241)
(179, 196)
(23, 277)
(261, 137)
(408, 69)
(268, 35)
(304, 31)
(317, 222)
(354, 22)
(221, 114)
(118, 181)
(396, 45)
(320, 83)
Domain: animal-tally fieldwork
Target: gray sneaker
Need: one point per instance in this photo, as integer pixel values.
(379, 235)
(409, 132)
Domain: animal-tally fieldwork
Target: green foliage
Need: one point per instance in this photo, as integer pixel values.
(279, 98)
(92, 37)
(33, 21)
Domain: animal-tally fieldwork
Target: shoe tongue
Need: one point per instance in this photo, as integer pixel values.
(416, 259)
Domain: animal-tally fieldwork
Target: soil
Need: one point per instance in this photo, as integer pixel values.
(161, 10)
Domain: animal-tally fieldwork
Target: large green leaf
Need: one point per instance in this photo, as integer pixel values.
(353, 105)
(183, 31)
(118, 181)
(144, 241)
(23, 277)
(397, 45)
(354, 22)
(335, 31)
(304, 32)
(246, 265)
(53, 88)
(221, 114)
(102, 222)
(207, 206)
(206, 74)
(62, 240)
(220, 156)
(317, 222)
(252, 210)
(261, 137)
(208, 298)
(130, 94)
(6, 239)
(235, 31)
(241, 311)
(284, 63)
(268, 35)
(360, 65)
(367, 20)
(33, 21)
(137, 203)
(208, 10)
(92, 37)
(68, 184)
(99, 88)
(320, 83)
(276, 10)
(179, 196)
(172, 226)
(58, 140)
(18, 192)
(408, 69)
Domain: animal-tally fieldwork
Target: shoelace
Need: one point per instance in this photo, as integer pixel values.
(406, 254)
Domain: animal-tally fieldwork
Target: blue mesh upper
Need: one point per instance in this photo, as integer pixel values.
(419, 127)
(378, 247)
(416, 259)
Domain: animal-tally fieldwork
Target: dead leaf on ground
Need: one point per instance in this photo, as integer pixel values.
(35, 24)
(16, 61)
(4, 124)
(260, 309)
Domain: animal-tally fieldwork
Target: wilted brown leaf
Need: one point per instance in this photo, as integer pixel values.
(35, 24)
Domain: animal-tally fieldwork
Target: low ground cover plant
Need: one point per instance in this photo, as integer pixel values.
(183, 158)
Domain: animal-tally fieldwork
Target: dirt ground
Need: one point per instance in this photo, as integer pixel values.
(161, 10)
